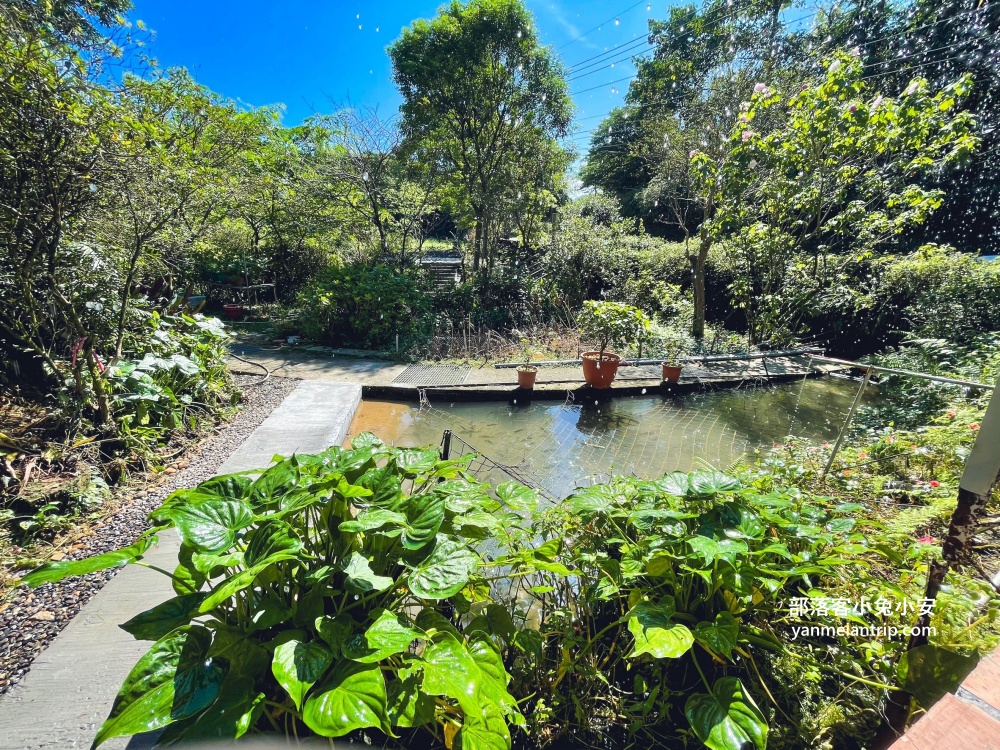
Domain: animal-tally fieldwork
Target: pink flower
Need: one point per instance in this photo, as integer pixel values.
(926, 540)
(760, 88)
(951, 415)
(693, 154)
(911, 89)
(747, 135)
(974, 426)
(855, 51)
(878, 102)
(853, 108)
(744, 117)
(934, 483)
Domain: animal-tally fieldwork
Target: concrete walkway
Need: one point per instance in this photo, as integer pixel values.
(69, 691)
(379, 374)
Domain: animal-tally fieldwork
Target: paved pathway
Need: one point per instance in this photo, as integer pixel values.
(968, 720)
(69, 691)
(294, 363)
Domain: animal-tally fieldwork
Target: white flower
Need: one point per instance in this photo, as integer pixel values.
(834, 66)
(878, 102)
(911, 89)
(855, 51)
(761, 88)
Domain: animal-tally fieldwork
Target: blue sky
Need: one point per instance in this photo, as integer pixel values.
(314, 56)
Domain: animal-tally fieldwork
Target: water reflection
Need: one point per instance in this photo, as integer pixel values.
(564, 445)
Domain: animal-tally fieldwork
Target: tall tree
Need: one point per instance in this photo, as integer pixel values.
(479, 93)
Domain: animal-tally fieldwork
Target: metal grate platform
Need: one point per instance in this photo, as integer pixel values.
(432, 375)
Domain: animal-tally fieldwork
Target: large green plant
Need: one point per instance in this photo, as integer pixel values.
(612, 324)
(302, 595)
(666, 609)
(365, 307)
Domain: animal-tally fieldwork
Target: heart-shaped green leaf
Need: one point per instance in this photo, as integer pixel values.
(360, 577)
(719, 636)
(711, 483)
(209, 526)
(727, 719)
(425, 514)
(517, 497)
(174, 680)
(390, 634)
(272, 541)
(486, 731)
(655, 633)
(298, 665)
(415, 461)
(445, 571)
(450, 670)
(352, 697)
(386, 487)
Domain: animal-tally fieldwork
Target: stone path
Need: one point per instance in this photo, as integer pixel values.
(382, 374)
(72, 684)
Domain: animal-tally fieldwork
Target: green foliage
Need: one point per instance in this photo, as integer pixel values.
(612, 324)
(802, 202)
(482, 97)
(308, 587)
(365, 307)
(176, 378)
(350, 592)
(666, 602)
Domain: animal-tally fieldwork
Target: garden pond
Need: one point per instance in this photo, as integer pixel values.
(558, 446)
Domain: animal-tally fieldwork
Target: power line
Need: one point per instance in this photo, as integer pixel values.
(578, 134)
(613, 18)
(881, 63)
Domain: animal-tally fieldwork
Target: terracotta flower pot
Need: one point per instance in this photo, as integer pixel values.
(600, 371)
(672, 373)
(526, 377)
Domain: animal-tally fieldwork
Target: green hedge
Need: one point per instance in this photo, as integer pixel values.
(365, 307)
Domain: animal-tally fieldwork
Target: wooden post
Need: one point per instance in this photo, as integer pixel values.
(982, 472)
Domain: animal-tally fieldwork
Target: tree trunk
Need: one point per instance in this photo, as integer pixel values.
(698, 263)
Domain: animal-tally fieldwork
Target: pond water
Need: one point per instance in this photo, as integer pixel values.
(559, 446)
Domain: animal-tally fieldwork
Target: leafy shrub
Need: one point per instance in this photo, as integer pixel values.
(177, 374)
(937, 293)
(365, 307)
(300, 595)
(612, 324)
(667, 612)
(348, 593)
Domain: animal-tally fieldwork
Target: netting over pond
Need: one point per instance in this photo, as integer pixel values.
(561, 446)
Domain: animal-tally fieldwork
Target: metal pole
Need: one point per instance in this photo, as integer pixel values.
(847, 422)
(446, 445)
(908, 373)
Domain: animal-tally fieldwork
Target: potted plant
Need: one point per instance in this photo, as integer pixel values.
(610, 324)
(672, 365)
(527, 372)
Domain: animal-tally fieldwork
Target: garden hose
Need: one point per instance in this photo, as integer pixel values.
(267, 373)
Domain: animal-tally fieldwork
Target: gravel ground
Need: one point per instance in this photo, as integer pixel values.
(33, 617)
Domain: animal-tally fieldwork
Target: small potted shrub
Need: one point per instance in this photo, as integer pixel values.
(527, 372)
(611, 324)
(672, 365)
